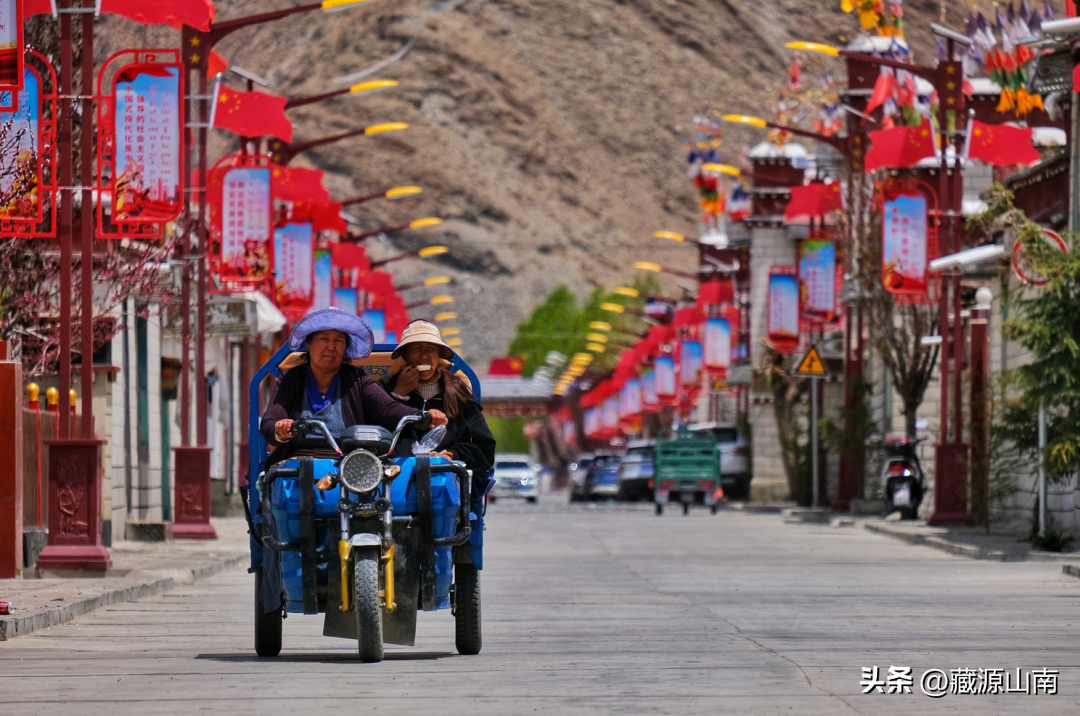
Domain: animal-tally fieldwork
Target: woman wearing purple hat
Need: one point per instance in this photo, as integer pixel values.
(328, 388)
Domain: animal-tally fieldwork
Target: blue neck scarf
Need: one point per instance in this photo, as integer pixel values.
(320, 400)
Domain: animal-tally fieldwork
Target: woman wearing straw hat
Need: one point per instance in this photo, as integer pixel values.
(423, 385)
(329, 388)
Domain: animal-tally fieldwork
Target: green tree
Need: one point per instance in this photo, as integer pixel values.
(1044, 321)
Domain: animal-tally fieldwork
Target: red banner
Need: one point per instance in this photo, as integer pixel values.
(783, 309)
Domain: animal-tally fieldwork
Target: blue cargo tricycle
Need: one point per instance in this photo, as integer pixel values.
(338, 527)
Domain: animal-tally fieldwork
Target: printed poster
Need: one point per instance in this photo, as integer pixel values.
(11, 45)
(346, 300)
(648, 391)
(817, 282)
(146, 165)
(24, 141)
(903, 249)
(690, 362)
(324, 294)
(664, 377)
(783, 311)
(376, 320)
(293, 264)
(245, 224)
(631, 398)
(717, 347)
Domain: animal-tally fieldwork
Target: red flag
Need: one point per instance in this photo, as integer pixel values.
(216, 64)
(323, 216)
(349, 256)
(36, 7)
(196, 13)
(1001, 145)
(297, 184)
(251, 114)
(884, 88)
(815, 199)
(900, 147)
(713, 293)
(509, 367)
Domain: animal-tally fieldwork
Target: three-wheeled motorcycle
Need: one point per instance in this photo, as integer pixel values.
(338, 527)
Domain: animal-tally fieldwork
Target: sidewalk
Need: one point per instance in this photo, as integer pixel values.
(140, 569)
(969, 542)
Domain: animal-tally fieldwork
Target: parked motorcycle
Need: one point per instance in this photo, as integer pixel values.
(903, 483)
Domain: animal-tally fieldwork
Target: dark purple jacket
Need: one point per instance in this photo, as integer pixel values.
(363, 401)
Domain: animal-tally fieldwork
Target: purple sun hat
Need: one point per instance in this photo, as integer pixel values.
(360, 336)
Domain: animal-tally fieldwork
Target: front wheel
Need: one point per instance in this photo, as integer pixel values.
(467, 609)
(267, 624)
(366, 604)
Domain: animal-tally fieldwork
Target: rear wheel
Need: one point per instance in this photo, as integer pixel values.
(531, 499)
(714, 508)
(686, 508)
(659, 509)
(467, 638)
(267, 624)
(366, 604)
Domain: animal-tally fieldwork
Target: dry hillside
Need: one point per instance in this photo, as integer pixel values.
(542, 130)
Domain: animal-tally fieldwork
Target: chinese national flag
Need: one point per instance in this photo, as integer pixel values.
(324, 217)
(1001, 145)
(816, 199)
(900, 147)
(196, 13)
(297, 184)
(252, 114)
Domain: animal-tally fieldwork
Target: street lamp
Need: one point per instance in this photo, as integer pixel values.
(626, 291)
(399, 192)
(433, 281)
(445, 316)
(362, 88)
(282, 153)
(415, 224)
(597, 338)
(596, 347)
(422, 253)
(454, 342)
(657, 268)
(438, 300)
(600, 326)
(451, 331)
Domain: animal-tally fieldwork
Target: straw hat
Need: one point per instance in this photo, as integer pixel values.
(423, 332)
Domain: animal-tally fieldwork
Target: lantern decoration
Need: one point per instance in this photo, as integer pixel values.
(783, 309)
(717, 347)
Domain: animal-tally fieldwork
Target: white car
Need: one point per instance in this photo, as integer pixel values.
(734, 453)
(516, 476)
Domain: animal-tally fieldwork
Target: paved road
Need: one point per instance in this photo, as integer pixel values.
(596, 611)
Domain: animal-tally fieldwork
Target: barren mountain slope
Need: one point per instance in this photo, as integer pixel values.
(542, 131)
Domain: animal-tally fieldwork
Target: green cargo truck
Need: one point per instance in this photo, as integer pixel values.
(686, 470)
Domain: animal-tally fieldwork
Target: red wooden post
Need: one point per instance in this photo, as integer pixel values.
(74, 398)
(87, 263)
(980, 445)
(75, 507)
(245, 382)
(66, 202)
(11, 486)
(192, 507)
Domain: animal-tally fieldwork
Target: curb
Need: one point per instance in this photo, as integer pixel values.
(13, 626)
(969, 551)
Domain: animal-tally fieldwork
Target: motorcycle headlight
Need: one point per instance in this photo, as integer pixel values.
(361, 472)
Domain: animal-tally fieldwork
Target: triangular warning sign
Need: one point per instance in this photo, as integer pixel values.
(811, 365)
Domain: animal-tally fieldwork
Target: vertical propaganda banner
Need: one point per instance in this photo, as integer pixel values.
(245, 224)
(611, 414)
(664, 377)
(11, 45)
(324, 293)
(690, 362)
(292, 264)
(783, 310)
(717, 348)
(23, 138)
(649, 400)
(376, 320)
(817, 282)
(346, 300)
(903, 249)
(631, 399)
(146, 165)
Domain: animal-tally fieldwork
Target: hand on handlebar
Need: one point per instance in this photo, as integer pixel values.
(283, 430)
(438, 418)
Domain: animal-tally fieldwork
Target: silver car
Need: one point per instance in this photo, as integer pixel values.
(516, 476)
(734, 458)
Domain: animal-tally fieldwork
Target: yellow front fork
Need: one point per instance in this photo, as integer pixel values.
(388, 578)
(344, 552)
